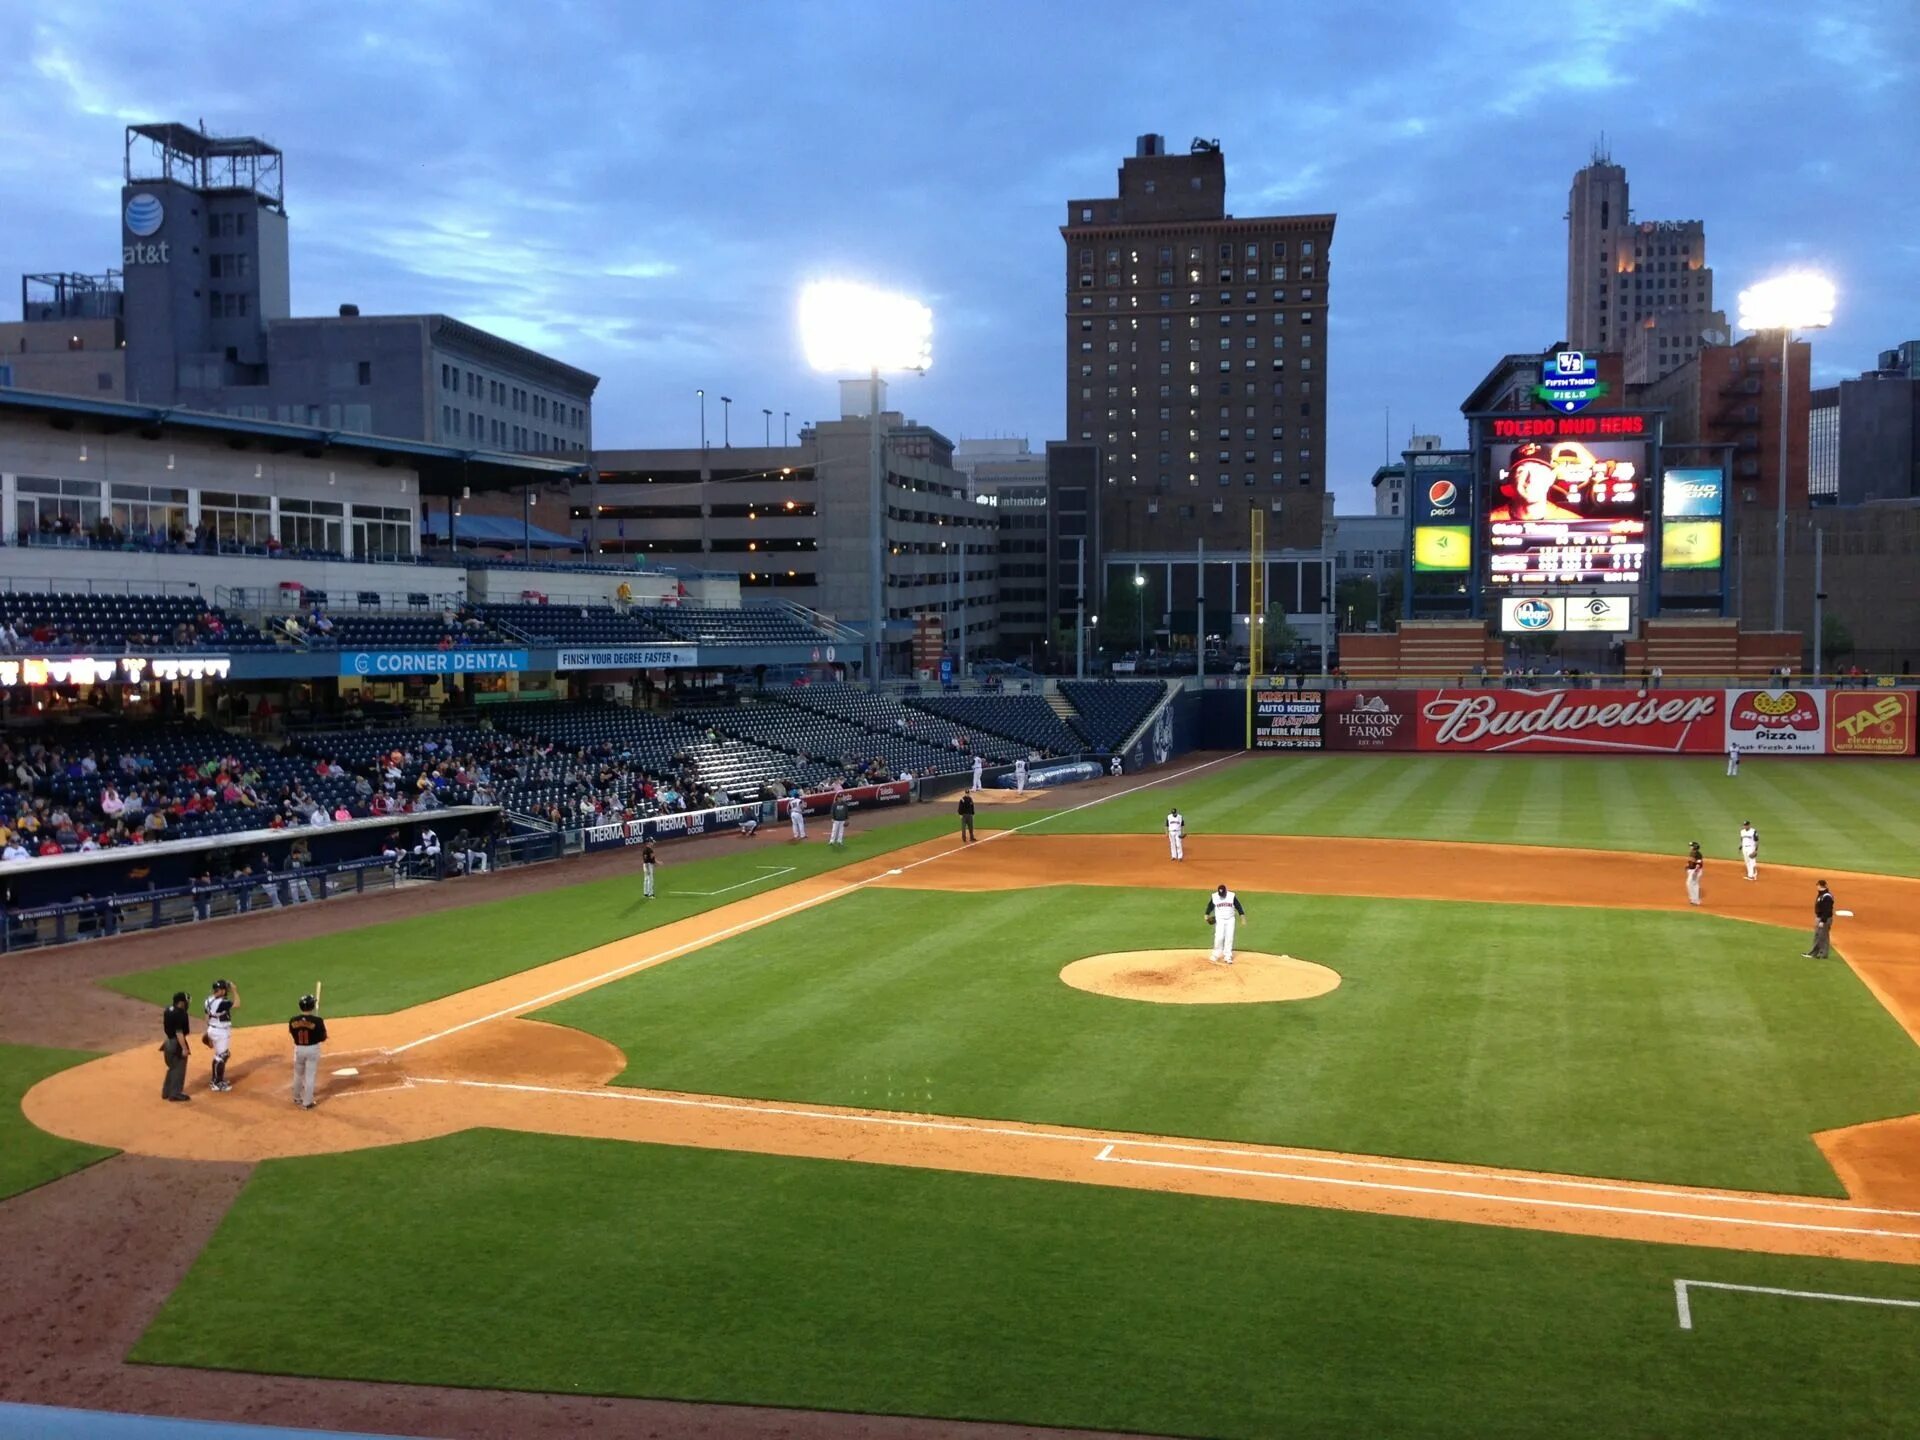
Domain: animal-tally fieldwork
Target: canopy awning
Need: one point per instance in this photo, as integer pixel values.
(495, 530)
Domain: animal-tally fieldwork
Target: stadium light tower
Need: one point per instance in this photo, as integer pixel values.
(1798, 300)
(846, 326)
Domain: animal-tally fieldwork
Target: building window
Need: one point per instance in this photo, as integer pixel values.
(363, 372)
(235, 519)
(141, 510)
(383, 532)
(312, 525)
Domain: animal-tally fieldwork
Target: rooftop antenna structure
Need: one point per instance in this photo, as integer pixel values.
(183, 155)
(1602, 155)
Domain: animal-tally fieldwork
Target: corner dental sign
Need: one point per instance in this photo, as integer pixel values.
(144, 217)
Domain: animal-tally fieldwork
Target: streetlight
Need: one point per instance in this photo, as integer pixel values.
(769, 415)
(726, 422)
(703, 420)
(1799, 300)
(1140, 606)
(845, 326)
(785, 415)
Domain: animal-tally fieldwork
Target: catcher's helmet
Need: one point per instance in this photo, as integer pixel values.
(221, 985)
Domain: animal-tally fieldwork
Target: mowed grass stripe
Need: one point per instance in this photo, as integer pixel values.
(716, 1276)
(1641, 1045)
(1843, 814)
(29, 1156)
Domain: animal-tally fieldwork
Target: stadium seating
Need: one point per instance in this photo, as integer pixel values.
(883, 714)
(114, 623)
(838, 743)
(749, 626)
(1108, 711)
(402, 632)
(574, 625)
(1026, 719)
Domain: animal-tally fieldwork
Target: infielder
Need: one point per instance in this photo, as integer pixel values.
(1696, 864)
(838, 834)
(1176, 835)
(1750, 849)
(1020, 773)
(1733, 759)
(219, 1007)
(309, 1033)
(797, 813)
(979, 768)
(1223, 912)
(646, 868)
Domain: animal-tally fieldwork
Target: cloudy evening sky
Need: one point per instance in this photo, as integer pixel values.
(642, 188)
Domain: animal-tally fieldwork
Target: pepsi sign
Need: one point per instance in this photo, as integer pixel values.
(1438, 499)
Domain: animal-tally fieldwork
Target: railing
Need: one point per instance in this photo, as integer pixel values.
(44, 585)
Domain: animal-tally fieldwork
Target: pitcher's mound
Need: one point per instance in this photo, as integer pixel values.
(1188, 977)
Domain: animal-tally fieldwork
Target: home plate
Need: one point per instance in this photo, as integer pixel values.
(348, 1070)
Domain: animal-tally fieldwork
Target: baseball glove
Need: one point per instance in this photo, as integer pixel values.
(1209, 919)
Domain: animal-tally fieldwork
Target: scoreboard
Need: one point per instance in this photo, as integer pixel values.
(1287, 720)
(1562, 512)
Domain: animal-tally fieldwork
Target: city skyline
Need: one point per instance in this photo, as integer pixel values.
(648, 205)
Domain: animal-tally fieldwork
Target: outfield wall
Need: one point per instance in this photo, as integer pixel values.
(1560, 721)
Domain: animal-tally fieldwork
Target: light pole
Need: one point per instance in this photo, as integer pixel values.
(844, 327)
(1080, 608)
(1799, 300)
(703, 420)
(1140, 607)
(769, 415)
(785, 415)
(726, 422)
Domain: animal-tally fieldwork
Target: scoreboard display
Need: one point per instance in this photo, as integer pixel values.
(1287, 720)
(1568, 512)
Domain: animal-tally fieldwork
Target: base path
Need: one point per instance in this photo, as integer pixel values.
(471, 1060)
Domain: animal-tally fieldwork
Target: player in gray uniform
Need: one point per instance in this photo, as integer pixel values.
(219, 1008)
(309, 1033)
(841, 807)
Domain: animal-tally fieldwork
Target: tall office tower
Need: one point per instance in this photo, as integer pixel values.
(1637, 288)
(1197, 358)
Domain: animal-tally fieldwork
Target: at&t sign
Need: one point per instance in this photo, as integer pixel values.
(143, 218)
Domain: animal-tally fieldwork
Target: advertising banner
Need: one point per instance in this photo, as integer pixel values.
(1287, 720)
(1870, 722)
(1371, 720)
(397, 664)
(626, 657)
(1635, 722)
(1691, 502)
(1778, 722)
(1443, 547)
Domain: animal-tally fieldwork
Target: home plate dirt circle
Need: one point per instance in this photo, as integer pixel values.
(1190, 977)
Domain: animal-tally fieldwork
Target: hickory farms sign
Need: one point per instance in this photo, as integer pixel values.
(1572, 721)
(1867, 722)
(1370, 720)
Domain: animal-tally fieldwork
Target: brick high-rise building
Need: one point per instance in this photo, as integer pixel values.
(1640, 288)
(1197, 358)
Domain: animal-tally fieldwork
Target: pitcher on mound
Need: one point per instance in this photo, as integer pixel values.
(1223, 913)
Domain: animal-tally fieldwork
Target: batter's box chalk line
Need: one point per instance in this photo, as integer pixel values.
(1683, 1303)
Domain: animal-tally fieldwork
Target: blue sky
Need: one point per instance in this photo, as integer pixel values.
(643, 188)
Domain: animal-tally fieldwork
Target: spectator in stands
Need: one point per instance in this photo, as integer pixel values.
(156, 825)
(111, 805)
(15, 850)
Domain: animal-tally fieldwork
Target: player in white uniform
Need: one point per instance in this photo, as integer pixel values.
(979, 765)
(1223, 913)
(1750, 848)
(219, 1007)
(1020, 773)
(797, 813)
(1733, 759)
(1176, 835)
(1696, 864)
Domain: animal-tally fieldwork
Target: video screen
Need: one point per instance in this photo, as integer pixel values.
(1442, 547)
(1562, 512)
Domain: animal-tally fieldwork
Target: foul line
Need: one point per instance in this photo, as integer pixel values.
(1684, 1306)
(728, 932)
(1106, 1154)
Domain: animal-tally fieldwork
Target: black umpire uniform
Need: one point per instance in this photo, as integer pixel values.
(966, 815)
(175, 1025)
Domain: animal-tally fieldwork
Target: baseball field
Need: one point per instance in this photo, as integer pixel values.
(1486, 1132)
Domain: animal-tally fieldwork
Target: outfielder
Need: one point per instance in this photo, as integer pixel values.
(1223, 912)
(646, 868)
(1020, 773)
(797, 813)
(1696, 863)
(979, 767)
(1176, 834)
(1750, 849)
(219, 1007)
(1733, 759)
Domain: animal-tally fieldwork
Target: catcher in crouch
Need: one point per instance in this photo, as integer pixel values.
(1223, 913)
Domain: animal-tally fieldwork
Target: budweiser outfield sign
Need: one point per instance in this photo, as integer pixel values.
(1778, 722)
(1637, 722)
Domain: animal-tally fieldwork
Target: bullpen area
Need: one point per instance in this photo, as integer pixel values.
(1487, 1130)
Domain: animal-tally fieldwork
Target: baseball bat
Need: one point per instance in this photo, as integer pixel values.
(316, 993)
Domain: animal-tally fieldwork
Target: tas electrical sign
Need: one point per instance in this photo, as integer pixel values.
(1570, 381)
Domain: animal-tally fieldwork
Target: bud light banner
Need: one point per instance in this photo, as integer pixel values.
(1573, 722)
(1778, 722)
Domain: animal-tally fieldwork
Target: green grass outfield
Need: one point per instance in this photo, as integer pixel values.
(1629, 1044)
(597, 1267)
(1847, 814)
(389, 966)
(30, 1156)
